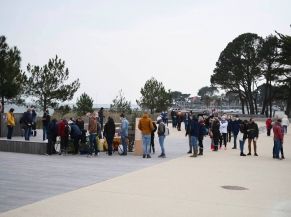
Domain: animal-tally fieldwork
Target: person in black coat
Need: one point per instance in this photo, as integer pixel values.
(52, 132)
(235, 127)
(215, 133)
(152, 146)
(45, 122)
(202, 133)
(253, 135)
(109, 132)
(27, 121)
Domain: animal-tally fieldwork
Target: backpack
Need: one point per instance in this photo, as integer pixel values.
(161, 129)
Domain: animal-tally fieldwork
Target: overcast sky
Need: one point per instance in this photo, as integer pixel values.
(119, 44)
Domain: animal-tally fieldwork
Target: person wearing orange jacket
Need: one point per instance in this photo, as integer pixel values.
(146, 127)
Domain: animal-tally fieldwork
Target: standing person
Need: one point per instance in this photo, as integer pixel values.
(186, 120)
(92, 129)
(165, 117)
(101, 117)
(285, 123)
(76, 135)
(189, 135)
(242, 136)
(161, 135)
(253, 135)
(235, 126)
(51, 136)
(223, 131)
(174, 118)
(63, 132)
(278, 140)
(109, 132)
(27, 120)
(202, 133)
(179, 120)
(152, 146)
(80, 123)
(45, 122)
(229, 128)
(124, 133)
(215, 132)
(193, 130)
(34, 119)
(269, 126)
(145, 125)
(10, 122)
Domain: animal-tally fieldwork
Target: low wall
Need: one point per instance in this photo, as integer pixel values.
(23, 147)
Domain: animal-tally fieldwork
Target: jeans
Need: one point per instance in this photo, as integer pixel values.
(223, 138)
(146, 142)
(161, 141)
(241, 145)
(277, 148)
(194, 142)
(27, 132)
(10, 131)
(124, 144)
(234, 140)
(190, 144)
(92, 143)
(285, 129)
(44, 132)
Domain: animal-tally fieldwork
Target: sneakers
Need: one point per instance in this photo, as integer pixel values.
(249, 153)
(233, 147)
(242, 154)
(148, 156)
(143, 156)
(189, 152)
(256, 154)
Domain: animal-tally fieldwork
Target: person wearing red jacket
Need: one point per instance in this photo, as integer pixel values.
(63, 132)
(269, 126)
(278, 140)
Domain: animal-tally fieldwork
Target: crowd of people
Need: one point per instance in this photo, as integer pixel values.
(221, 130)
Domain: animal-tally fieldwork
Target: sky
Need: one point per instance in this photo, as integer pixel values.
(120, 44)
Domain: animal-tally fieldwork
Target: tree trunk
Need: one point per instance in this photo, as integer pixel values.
(248, 109)
(270, 99)
(2, 111)
(2, 102)
(256, 106)
(243, 106)
(242, 102)
(265, 98)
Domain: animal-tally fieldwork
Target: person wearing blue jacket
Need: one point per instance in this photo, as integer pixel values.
(124, 133)
(76, 135)
(235, 126)
(193, 131)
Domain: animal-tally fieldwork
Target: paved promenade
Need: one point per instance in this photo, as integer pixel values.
(177, 186)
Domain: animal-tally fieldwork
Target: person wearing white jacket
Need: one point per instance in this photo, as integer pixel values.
(223, 131)
(285, 123)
